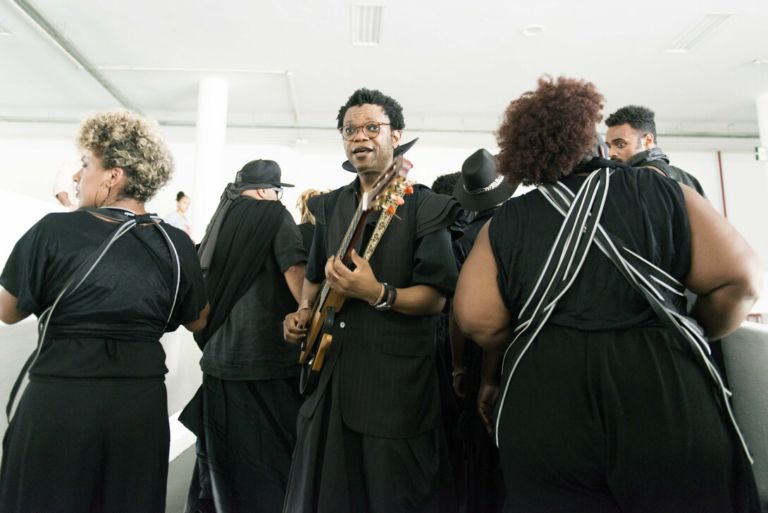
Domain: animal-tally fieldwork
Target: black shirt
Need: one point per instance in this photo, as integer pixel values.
(646, 210)
(249, 344)
(110, 326)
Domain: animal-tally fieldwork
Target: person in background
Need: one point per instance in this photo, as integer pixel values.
(307, 225)
(631, 139)
(90, 432)
(444, 184)
(178, 217)
(64, 187)
(480, 190)
(249, 400)
(607, 401)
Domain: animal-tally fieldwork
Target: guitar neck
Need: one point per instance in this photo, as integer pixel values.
(352, 235)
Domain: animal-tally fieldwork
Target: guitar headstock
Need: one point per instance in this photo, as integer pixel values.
(391, 187)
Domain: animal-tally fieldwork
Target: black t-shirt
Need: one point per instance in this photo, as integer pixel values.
(111, 325)
(249, 344)
(645, 210)
(464, 244)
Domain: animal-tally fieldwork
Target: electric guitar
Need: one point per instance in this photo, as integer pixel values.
(386, 195)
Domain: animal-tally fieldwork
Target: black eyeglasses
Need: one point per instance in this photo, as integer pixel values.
(371, 130)
(279, 193)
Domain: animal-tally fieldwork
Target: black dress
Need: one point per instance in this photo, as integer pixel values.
(91, 429)
(609, 411)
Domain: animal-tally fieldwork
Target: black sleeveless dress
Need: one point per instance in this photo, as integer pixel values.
(609, 411)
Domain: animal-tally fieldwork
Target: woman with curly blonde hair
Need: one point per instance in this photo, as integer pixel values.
(90, 430)
(307, 226)
(605, 399)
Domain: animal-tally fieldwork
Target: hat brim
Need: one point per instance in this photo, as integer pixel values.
(263, 185)
(347, 165)
(484, 200)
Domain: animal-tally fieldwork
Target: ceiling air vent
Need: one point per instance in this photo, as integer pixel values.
(696, 33)
(366, 25)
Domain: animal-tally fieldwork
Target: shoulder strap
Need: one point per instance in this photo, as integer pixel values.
(557, 275)
(130, 220)
(655, 285)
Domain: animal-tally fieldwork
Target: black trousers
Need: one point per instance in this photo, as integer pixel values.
(618, 422)
(244, 453)
(87, 446)
(337, 470)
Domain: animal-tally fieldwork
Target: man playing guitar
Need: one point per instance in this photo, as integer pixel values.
(369, 433)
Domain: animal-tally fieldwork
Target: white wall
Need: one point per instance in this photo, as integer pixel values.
(32, 153)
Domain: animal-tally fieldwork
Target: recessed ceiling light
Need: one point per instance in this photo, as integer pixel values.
(533, 30)
(366, 25)
(760, 61)
(696, 33)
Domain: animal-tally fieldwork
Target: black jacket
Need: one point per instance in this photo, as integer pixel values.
(656, 159)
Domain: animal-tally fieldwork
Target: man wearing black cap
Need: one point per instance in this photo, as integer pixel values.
(245, 413)
(369, 435)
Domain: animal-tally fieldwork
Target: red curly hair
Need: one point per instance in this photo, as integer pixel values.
(546, 132)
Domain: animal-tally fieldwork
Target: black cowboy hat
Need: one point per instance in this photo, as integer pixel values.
(480, 187)
(260, 174)
(347, 165)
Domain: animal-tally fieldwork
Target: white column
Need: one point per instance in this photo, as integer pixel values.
(211, 136)
(762, 118)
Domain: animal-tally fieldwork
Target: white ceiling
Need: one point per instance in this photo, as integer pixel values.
(453, 67)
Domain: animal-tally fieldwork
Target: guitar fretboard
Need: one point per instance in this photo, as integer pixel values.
(343, 247)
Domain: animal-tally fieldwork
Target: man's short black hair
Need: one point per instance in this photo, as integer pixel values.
(444, 184)
(392, 109)
(639, 118)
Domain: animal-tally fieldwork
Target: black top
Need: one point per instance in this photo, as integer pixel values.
(646, 210)
(430, 265)
(249, 344)
(385, 362)
(110, 326)
(307, 234)
(464, 244)
(655, 158)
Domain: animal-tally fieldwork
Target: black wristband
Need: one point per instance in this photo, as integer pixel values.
(388, 300)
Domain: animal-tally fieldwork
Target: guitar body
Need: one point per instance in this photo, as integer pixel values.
(318, 341)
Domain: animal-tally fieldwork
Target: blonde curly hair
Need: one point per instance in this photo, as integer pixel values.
(126, 140)
(301, 204)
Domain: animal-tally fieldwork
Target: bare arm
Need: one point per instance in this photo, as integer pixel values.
(200, 323)
(295, 323)
(9, 314)
(294, 278)
(63, 198)
(490, 376)
(479, 309)
(725, 272)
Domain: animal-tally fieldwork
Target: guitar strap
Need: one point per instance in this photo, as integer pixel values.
(559, 272)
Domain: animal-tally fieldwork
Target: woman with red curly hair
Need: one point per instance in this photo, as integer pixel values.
(605, 399)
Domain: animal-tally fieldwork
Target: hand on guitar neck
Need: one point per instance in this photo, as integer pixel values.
(359, 283)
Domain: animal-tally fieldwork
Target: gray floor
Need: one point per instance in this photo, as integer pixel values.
(179, 475)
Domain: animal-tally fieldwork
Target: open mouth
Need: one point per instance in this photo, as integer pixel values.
(361, 151)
